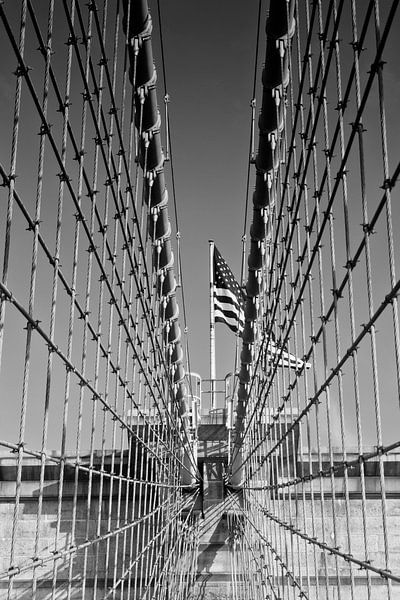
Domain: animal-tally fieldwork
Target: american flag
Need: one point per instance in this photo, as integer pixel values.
(228, 296)
(286, 360)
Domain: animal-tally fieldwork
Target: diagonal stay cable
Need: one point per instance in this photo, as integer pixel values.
(357, 120)
(76, 302)
(315, 399)
(64, 175)
(289, 574)
(174, 194)
(154, 341)
(332, 550)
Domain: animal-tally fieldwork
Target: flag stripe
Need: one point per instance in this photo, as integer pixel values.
(229, 309)
(230, 316)
(229, 306)
(228, 296)
(286, 360)
(232, 324)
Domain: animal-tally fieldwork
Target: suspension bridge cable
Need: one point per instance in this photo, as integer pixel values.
(282, 462)
(266, 339)
(154, 340)
(65, 175)
(251, 140)
(325, 218)
(115, 477)
(88, 332)
(332, 550)
(173, 181)
(278, 558)
(250, 156)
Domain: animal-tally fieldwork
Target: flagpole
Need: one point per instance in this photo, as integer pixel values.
(212, 324)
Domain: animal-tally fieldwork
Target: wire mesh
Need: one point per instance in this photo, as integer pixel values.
(316, 446)
(97, 437)
(95, 430)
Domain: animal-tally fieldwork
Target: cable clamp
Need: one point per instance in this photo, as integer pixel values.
(276, 94)
(367, 228)
(387, 184)
(377, 65)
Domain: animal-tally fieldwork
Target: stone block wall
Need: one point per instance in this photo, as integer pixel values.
(315, 570)
(102, 564)
(81, 562)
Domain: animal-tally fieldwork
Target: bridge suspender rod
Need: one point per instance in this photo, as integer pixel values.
(50, 255)
(362, 244)
(314, 439)
(150, 145)
(91, 350)
(101, 378)
(169, 157)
